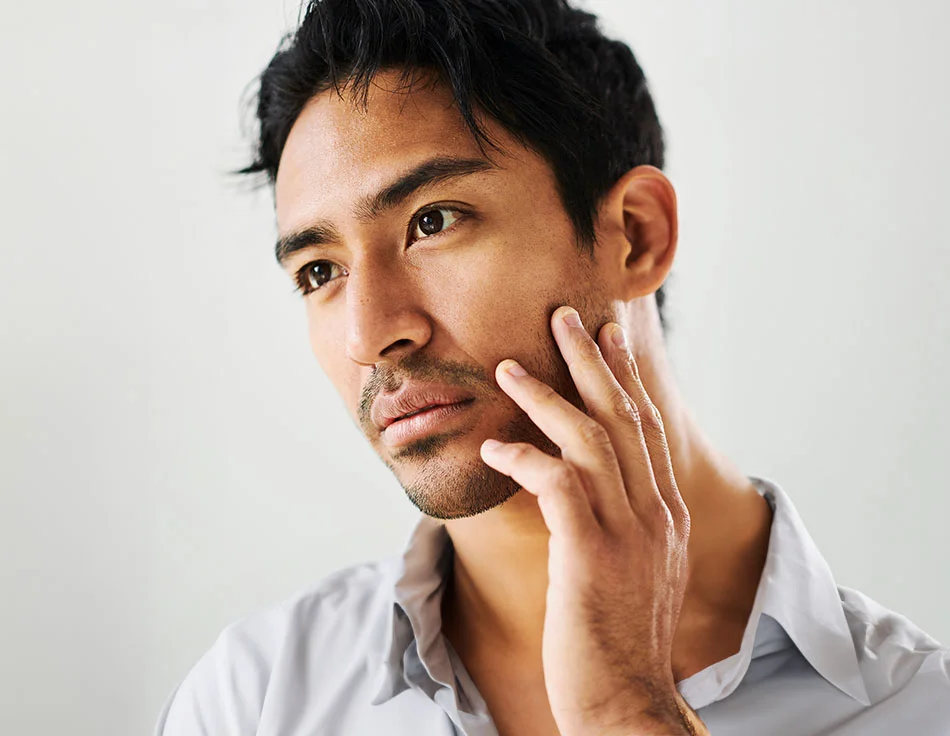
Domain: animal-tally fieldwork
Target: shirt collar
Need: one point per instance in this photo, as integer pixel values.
(798, 593)
(797, 589)
(413, 635)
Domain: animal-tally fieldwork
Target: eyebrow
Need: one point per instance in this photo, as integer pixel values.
(433, 171)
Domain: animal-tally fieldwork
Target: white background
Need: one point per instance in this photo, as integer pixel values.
(171, 457)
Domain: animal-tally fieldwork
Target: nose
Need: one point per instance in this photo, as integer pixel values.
(384, 315)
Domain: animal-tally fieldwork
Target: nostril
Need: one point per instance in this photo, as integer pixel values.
(401, 343)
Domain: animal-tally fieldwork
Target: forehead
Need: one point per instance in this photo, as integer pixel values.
(338, 150)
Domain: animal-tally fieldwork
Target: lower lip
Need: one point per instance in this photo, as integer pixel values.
(419, 425)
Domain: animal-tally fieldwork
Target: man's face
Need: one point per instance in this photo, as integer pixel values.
(432, 285)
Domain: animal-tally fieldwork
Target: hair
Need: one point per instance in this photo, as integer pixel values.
(541, 69)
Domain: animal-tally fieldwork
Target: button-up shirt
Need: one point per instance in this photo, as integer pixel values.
(361, 653)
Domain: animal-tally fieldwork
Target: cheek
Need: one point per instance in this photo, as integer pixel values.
(499, 305)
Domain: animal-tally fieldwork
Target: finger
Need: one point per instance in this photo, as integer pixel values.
(610, 405)
(624, 367)
(584, 443)
(557, 485)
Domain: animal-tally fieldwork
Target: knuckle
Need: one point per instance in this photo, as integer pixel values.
(661, 520)
(622, 406)
(519, 450)
(563, 476)
(635, 416)
(669, 526)
(588, 350)
(628, 367)
(546, 394)
(681, 513)
(593, 433)
(685, 524)
(650, 415)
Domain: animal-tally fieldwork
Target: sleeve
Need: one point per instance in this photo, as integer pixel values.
(222, 695)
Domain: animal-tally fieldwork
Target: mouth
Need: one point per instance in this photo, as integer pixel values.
(422, 422)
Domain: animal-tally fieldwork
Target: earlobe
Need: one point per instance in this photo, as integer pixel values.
(642, 206)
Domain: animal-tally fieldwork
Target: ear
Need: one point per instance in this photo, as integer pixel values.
(639, 226)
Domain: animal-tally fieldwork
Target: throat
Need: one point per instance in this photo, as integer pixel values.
(495, 592)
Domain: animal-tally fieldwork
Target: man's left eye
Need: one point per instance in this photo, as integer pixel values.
(434, 221)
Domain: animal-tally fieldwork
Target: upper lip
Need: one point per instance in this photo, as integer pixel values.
(387, 408)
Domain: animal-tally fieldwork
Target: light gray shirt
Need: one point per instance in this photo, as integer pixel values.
(361, 653)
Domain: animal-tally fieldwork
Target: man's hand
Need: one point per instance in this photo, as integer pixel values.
(617, 566)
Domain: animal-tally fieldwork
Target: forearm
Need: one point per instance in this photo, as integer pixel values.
(663, 717)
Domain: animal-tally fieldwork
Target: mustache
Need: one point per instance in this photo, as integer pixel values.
(422, 368)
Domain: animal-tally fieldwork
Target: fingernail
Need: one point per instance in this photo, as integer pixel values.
(571, 317)
(616, 334)
(513, 368)
(491, 445)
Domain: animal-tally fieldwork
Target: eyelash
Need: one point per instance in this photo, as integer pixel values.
(302, 283)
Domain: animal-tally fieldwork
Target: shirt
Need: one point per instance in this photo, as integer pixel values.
(362, 653)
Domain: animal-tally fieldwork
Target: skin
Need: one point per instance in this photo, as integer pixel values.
(534, 572)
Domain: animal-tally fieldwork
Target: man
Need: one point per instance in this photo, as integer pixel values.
(469, 198)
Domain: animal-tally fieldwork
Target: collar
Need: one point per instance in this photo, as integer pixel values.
(796, 589)
(413, 643)
(799, 592)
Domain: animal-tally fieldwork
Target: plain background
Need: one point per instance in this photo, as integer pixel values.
(171, 456)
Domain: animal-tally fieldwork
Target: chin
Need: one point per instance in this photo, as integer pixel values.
(457, 493)
(444, 476)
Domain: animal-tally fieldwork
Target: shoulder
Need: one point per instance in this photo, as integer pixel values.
(320, 630)
(893, 652)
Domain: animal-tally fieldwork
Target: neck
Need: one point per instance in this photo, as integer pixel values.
(495, 601)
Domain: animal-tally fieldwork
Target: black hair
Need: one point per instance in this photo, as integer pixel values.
(540, 68)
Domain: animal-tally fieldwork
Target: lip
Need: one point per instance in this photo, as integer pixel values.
(413, 396)
(403, 431)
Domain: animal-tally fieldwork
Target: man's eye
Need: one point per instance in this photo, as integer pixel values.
(433, 221)
(315, 275)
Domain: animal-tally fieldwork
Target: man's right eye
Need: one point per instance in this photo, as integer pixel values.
(315, 275)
